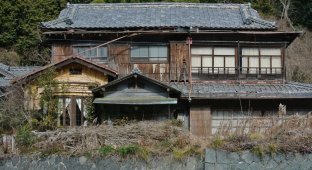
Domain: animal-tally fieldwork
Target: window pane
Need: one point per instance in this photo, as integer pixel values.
(270, 51)
(253, 65)
(230, 63)
(207, 61)
(102, 52)
(218, 61)
(265, 65)
(201, 50)
(276, 65)
(154, 52)
(163, 51)
(250, 51)
(138, 51)
(158, 51)
(135, 52)
(244, 64)
(93, 52)
(224, 51)
(196, 62)
(143, 52)
(87, 52)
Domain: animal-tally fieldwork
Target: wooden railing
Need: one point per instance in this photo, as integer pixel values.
(219, 73)
(207, 73)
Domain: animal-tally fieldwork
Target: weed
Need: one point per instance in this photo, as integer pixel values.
(54, 149)
(272, 149)
(255, 136)
(177, 122)
(24, 137)
(217, 143)
(181, 142)
(106, 150)
(258, 150)
(128, 150)
(144, 153)
(180, 154)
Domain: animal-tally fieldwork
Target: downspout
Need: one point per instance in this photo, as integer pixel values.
(189, 42)
(284, 65)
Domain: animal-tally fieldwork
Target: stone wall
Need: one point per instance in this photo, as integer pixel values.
(214, 160)
(112, 163)
(218, 159)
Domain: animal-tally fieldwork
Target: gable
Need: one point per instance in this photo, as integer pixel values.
(63, 67)
(135, 89)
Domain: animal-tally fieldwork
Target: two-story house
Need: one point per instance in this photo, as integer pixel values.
(200, 62)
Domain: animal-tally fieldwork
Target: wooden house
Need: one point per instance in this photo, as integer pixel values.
(200, 62)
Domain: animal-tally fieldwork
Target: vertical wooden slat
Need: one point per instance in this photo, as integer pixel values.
(200, 120)
(60, 52)
(119, 58)
(178, 53)
(64, 112)
(73, 111)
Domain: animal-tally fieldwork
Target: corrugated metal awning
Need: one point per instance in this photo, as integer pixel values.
(136, 100)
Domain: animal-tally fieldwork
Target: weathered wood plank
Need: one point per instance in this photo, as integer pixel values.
(60, 52)
(178, 54)
(200, 120)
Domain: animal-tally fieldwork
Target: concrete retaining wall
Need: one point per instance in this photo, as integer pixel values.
(218, 159)
(83, 163)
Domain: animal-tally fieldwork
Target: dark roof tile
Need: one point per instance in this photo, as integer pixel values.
(154, 15)
(232, 91)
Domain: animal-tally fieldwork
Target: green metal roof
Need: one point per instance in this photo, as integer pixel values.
(137, 100)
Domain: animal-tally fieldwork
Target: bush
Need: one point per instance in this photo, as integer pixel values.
(106, 150)
(24, 137)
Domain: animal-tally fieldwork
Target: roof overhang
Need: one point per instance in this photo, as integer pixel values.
(74, 59)
(142, 100)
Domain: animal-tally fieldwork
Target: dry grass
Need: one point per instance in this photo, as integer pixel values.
(267, 135)
(155, 138)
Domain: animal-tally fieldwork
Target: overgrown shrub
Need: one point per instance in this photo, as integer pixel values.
(217, 143)
(106, 150)
(24, 136)
(125, 151)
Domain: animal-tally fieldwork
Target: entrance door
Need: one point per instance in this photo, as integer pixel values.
(200, 120)
(71, 111)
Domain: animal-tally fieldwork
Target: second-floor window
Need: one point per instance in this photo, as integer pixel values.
(152, 53)
(89, 52)
(261, 61)
(213, 60)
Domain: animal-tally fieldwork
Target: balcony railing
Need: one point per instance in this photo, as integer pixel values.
(207, 73)
(220, 73)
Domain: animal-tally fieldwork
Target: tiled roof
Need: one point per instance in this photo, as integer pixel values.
(248, 91)
(12, 72)
(155, 15)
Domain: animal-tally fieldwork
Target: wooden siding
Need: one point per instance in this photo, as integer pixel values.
(69, 85)
(200, 120)
(119, 59)
(178, 53)
(61, 51)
